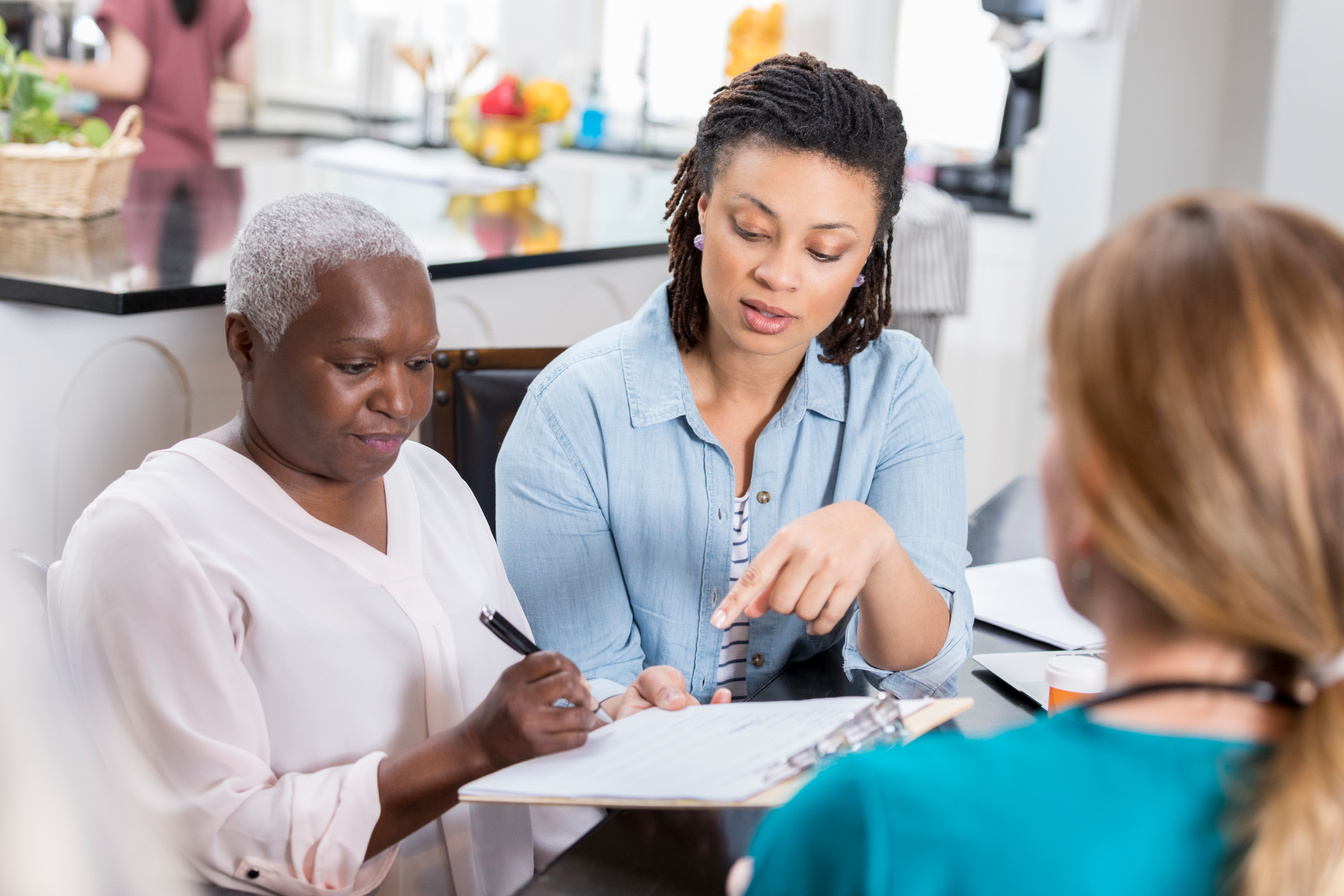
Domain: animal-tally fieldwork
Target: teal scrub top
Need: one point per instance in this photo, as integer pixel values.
(1063, 806)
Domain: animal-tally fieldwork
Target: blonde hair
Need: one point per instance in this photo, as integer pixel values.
(1198, 364)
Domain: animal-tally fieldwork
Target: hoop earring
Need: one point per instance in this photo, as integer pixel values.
(699, 243)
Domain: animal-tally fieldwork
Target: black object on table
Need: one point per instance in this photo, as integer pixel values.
(687, 852)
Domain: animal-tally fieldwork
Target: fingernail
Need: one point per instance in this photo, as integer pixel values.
(719, 619)
(667, 697)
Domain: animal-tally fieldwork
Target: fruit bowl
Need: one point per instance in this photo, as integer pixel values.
(498, 140)
(503, 127)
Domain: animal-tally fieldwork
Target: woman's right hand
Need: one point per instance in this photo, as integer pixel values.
(518, 719)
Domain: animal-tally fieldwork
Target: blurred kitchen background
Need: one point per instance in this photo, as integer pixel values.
(1035, 126)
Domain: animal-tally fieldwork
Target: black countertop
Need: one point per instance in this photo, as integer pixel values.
(169, 245)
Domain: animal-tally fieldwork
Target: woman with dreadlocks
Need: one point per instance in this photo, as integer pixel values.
(751, 470)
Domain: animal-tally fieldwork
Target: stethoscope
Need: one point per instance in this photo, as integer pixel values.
(1258, 690)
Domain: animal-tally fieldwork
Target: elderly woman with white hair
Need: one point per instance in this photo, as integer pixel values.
(272, 627)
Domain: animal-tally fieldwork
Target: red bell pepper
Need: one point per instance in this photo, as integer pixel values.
(504, 98)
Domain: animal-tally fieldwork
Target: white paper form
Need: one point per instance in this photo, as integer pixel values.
(726, 752)
(1024, 596)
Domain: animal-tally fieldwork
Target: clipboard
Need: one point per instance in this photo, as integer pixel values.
(878, 722)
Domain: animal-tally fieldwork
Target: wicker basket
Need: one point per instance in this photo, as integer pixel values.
(80, 183)
(89, 252)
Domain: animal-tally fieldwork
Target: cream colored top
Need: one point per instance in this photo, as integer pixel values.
(246, 667)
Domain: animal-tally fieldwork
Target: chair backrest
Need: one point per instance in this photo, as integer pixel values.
(476, 395)
(1010, 525)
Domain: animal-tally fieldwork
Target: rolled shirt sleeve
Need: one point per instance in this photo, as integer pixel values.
(919, 488)
(152, 655)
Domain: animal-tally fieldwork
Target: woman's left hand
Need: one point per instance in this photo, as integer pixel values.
(814, 567)
(660, 686)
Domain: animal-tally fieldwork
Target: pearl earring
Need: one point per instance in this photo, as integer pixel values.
(858, 281)
(699, 242)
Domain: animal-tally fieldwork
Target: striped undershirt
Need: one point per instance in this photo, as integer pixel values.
(733, 653)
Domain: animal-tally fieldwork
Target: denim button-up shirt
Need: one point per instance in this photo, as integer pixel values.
(614, 503)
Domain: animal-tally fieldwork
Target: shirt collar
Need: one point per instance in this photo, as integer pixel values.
(658, 390)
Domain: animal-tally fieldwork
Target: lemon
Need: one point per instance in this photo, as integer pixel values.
(498, 145)
(528, 145)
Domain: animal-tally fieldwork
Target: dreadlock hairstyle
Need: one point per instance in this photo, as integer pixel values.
(801, 104)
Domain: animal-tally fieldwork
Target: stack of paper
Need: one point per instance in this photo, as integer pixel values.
(1024, 597)
(712, 754)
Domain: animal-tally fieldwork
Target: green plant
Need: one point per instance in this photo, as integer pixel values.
(8, 64)
(31, 102)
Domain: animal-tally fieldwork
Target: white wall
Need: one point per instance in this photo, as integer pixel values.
(1081, 113)
(950, 79)
(557, 41)
(859, 35)
(1306, 117)
(1178, 95)
(1170, 135)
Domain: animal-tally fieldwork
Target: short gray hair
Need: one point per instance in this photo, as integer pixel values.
(290, 242)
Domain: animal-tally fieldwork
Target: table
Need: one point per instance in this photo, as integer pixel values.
(687, 852)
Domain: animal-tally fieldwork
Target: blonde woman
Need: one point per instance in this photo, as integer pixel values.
(1195, 495)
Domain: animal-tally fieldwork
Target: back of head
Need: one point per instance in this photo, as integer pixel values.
(800, 104)
(289, 243)
(1198, 378)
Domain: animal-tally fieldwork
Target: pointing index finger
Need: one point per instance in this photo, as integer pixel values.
(756, 578)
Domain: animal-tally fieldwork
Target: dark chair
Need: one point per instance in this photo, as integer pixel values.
(1010, 525)
(477, 392)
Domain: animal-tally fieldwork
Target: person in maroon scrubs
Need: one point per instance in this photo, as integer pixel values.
(164, 56)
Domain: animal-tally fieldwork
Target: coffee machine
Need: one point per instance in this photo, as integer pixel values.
(987, 185)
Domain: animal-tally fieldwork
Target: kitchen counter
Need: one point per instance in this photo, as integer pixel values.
(96, 392)
(169, 246)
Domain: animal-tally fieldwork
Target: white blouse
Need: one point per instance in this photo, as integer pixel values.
(246, 667)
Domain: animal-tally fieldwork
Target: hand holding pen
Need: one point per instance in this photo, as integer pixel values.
(663, 687)
(508, 633)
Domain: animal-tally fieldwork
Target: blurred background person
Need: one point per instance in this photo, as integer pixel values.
(164, 56)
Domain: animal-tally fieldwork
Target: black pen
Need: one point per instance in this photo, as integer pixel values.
(507, 632)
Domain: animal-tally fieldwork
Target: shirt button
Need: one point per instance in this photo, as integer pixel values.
(763, 497)
(757, 660)
(253, 873)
